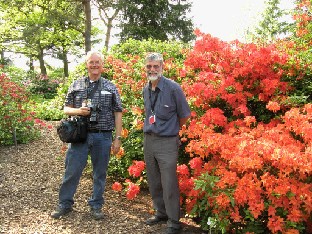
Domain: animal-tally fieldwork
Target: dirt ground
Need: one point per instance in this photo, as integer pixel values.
(30, 177)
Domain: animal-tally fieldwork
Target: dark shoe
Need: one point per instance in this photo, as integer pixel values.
(97, 214)
(60, 212)
(172, 230)
(155, 220)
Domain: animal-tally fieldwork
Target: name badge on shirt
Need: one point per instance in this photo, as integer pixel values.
(105, 92)
(152, 119)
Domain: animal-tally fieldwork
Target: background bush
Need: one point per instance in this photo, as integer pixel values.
(16, 118)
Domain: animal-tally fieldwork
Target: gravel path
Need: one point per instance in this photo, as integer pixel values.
(30, 176)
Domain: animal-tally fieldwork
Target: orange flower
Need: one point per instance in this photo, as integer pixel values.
(271, 211)
(136, 168)
(276, 224)
(295, 215)
(292, 231)
(124, 133)
(138, 124)
(183, 171)
(117, 187)
(256, 207)
(249, 120)
(136, 110)
(273, 106)
(235, 216)
(120, 153)
(223, 200)
(132, 191)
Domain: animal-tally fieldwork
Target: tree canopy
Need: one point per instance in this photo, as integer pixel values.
(158, 19)
(38, 27)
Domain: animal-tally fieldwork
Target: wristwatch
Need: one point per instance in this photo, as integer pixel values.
(118, 138)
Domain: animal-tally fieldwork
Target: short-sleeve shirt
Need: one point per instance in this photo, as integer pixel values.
(106, 96)
(170, 106)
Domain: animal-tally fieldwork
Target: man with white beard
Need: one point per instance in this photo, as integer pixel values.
(166, 110)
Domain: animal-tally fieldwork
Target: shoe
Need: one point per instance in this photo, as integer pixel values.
(97, 214)
(60, 212)
(155, 220)
(172, 230)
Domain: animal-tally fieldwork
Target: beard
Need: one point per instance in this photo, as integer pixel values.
(153, 76)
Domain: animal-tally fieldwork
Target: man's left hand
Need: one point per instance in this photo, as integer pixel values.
(116, 146)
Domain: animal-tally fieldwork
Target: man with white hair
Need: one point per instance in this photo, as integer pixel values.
(97, 99)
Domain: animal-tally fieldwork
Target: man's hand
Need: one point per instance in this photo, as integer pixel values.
(84, 111)
(116, 146)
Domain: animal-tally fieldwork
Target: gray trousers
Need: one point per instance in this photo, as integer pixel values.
(161, 155)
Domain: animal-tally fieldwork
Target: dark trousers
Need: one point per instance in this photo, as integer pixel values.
(161, 155)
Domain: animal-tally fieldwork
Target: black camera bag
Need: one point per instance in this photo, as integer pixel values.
(73, 130)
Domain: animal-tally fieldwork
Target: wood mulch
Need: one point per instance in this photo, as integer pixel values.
(30, 177)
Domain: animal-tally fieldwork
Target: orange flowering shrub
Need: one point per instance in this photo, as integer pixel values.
(17, 120)
(250, 176)
(256, 178)
(128, 76)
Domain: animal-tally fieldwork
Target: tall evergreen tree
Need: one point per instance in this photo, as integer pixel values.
(157, 19)
(272, 25)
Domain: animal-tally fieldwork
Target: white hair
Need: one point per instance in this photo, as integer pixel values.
(92, 52)
(153, 56)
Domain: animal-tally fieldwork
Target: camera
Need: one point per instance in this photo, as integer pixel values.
(94, 113)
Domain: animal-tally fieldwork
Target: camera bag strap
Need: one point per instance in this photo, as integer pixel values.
(87, 84)
(91, 94)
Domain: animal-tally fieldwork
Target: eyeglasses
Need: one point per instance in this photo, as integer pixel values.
(156, 67)
(94, 62)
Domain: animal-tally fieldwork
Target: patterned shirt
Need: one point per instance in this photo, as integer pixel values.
(106, 97)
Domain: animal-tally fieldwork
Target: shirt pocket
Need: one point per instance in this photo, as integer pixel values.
(79, 97)
(108, 99)
(165, 112)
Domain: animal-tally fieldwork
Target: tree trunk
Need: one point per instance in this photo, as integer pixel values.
(87, 9)
(108, 21)
(2, 55)
(108, 32)
(65, 62)
(31, 64)
(41, 62)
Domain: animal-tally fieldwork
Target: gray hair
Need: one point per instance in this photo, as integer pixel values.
(92, 52)
(153, 56)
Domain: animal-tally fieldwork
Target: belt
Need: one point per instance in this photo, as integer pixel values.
(98, 131)
(157, 135)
